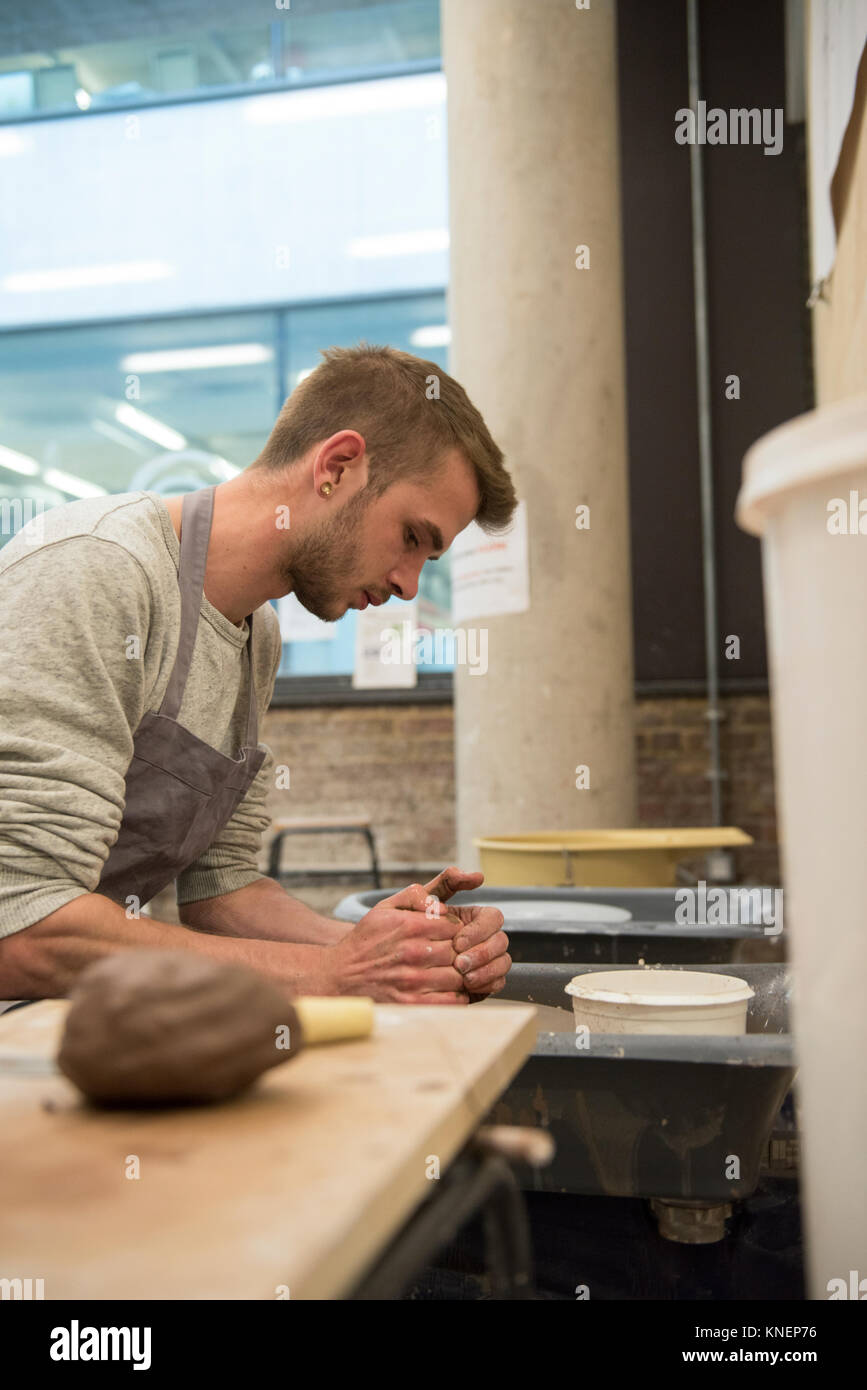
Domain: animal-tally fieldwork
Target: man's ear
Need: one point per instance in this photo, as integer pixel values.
(341, 456)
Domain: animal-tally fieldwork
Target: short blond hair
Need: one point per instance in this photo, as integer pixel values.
(409, 411)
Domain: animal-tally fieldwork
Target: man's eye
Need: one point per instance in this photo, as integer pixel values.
(412, 538)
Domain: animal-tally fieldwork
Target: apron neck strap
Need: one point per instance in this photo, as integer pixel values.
(197, 515)
(252, 739)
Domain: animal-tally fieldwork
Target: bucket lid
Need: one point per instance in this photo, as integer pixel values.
(822, 443)
(699, 988)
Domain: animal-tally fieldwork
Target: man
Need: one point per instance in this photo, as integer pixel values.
(137, 647)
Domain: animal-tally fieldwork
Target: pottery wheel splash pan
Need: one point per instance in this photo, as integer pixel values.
(638, 1115)
(617, 925)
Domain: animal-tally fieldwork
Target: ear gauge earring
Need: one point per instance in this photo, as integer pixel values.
(326, 489)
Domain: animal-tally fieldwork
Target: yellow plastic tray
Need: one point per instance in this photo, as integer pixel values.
(599, 858)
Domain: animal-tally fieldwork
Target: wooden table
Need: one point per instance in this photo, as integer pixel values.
(299, 1184)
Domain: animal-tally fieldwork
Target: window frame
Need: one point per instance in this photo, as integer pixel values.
(405, 68)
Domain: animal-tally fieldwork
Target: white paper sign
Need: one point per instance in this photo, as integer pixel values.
(384, 659)
(297, 625)
(836, 36)
(490, 574)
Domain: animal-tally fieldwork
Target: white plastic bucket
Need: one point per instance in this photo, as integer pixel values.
(659, 1001)
(801, 483)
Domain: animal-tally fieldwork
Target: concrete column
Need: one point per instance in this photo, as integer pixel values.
(538, 344)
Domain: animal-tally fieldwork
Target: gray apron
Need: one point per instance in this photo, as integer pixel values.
(180, 791)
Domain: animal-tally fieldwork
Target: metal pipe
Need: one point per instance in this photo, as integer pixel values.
(702, 354)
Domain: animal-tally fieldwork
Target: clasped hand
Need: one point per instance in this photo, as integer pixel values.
(413, 948)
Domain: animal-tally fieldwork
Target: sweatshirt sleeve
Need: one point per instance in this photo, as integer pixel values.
(74, 621)
(231, 861)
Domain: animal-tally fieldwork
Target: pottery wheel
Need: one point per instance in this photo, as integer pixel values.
(554, 910)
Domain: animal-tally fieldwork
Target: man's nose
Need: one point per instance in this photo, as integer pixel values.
(403, 580)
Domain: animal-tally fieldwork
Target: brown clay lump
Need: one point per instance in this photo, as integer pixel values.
(150, 1027)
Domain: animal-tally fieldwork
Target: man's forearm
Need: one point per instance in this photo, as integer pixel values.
(44, 960)
(265, 911)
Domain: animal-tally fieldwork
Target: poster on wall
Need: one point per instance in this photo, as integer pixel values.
(837, 35)
(297, 625)
(385, 648)
(491, 574)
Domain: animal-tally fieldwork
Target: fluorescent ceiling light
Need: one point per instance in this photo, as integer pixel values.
(18, 463)
(87, 276)
(347, 99)
(187, 359)
(110, 431)
(153, 429)
(68, 482)
(400, 244)
(222, 468)
(432, 335)
(304, 374)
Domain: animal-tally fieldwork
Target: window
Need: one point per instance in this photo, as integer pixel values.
(149, 59)
(174, 404)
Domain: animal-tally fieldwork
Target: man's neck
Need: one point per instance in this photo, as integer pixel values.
(241, 571)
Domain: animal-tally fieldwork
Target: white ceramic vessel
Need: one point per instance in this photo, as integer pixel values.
(659, 1001)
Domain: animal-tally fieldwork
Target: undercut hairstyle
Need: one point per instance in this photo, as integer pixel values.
(409, 412)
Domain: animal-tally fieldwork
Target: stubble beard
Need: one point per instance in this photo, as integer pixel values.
(322, 564)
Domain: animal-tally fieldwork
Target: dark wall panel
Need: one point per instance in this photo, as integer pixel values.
(758, 327)
(660, 354)
(757, 288)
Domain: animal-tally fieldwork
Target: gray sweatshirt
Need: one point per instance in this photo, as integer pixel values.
(89, 627)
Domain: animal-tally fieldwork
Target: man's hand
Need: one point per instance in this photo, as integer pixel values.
(400, 955)
(453, 880)
(480, 944)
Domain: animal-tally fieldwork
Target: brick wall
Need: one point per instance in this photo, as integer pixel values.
(391, 763)
(673, 760)
(395, 765)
